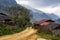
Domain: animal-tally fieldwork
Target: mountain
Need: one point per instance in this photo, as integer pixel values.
(53, 16)
(6, 3)
(57, 20)
(39, 15)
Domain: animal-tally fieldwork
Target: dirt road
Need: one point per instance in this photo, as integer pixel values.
(28, 34)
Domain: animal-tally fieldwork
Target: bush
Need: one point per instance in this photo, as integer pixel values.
(7, 29)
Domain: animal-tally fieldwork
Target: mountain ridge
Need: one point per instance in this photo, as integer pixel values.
(6, 3)
(37, 14)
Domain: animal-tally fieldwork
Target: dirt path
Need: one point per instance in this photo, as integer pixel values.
(28, 34)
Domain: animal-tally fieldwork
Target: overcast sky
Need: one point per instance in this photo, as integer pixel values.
(48, 6)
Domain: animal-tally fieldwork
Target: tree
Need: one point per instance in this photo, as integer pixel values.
(21, 16)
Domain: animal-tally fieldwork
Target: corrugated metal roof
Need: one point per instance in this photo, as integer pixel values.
(46, 22)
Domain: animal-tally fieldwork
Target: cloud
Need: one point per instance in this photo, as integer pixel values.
(23, 2)
(55, 10)
(43, 2)
(48, 6)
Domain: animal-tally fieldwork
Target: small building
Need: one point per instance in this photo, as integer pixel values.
(45, 22)
(4, 18)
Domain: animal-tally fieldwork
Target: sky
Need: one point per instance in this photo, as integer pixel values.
(47, 6)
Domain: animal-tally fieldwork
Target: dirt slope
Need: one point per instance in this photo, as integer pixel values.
(28, 34)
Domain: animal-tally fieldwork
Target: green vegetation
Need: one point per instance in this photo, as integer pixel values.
(46, 33)
(7, 29)
(21, 16)
(49, 36)
(20, 20)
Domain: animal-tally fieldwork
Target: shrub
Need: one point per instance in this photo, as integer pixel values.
(7, 29)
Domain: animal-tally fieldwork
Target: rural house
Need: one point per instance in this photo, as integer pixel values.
(47, 24)
(4, 18)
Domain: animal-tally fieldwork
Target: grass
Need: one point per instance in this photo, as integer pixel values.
(49, 36)
(44, 35)
(7, 29)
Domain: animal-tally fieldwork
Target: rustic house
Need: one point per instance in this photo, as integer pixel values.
(4, 18)
(47, 25)
(45, 22)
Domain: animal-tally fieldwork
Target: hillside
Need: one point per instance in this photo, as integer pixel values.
(6, 3)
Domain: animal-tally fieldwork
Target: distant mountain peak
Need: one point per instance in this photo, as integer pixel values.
(6, 3)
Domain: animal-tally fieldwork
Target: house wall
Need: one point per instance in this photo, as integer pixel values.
(3, 17)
